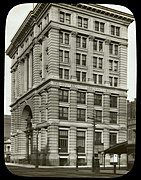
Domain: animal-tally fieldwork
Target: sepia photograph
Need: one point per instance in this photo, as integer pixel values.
(70, 90)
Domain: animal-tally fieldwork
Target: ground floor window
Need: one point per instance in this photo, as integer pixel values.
(63, 141)
(63, 161)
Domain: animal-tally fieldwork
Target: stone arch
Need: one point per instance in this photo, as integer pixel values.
(27, 123)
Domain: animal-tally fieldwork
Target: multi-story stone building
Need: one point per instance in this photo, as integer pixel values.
(69, 69)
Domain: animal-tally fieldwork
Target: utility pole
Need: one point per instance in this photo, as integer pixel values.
(36, 165)
(93, 156)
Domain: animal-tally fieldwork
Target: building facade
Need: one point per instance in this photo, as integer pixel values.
(131, 127)
(7, 140)
(69, 72)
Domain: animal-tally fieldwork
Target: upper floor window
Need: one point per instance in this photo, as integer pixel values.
(81, 97)
(98, 116)
(99, 26)
(115, 83)
(64, 56)
(81, 42)
(113, 49)
(63, 95)
(81, 59)
(113, 117)
(113, 101)
(113, 139)
(98, 139)
(98, 99)
(81, 76)
(81, 114)
(97, 62)
(65, 17)
(82, 22)
(64, 38)
(98, 45)
(115, 30)
(63, 113)
(113, 65)
(98, 79)
(63, 73)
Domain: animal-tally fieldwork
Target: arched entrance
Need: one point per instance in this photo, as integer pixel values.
(27, 117)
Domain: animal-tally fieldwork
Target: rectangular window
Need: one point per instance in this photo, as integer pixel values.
(96, 25)
(68, 18)
(79, 21)
(60, 55)
(100, 46)
(66, 60)
(110, 65)
(111, 81)
(101, 27)
(63, 95)
(116, 66)
(116, 49)
(115, 81)
(78, 75)
(113, 139)
(81, 97)
(111, 48)
(83, 60)
(63, 113)
(98, 138)
(98, 116)
(66, 38)
(78, 42)
(83, 76)
(100, 63)
(95, 78)
(66, 74)
(81, 114)
(113, 101)
(61, 17)
(81, 141)
(77, 59)
(100, 79)
(112, 30)
(84, 42)
(61, 37)
(63, 141)
(60, 73)
(85, 23)
(113, 117)
(117, 31)
(98, 99)
(94, 62)
(95, 45)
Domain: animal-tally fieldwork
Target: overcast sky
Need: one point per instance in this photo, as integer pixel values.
(15, 18)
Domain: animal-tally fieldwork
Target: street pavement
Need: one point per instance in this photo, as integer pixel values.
(69, 172)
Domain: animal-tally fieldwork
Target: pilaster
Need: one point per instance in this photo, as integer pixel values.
(106, 62)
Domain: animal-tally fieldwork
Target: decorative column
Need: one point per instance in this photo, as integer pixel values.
(122, 118)
(73, 104)
(90, 59)
(123, 65)
(30, 68)
(25, 74)
(43, 56)
(72, 146)
(106, 62)
(12, 85)
(53, 53)
(36, 63)
(16, 82)
(73, 56)
(90, 131)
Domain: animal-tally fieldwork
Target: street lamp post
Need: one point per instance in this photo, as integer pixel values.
(93, 156)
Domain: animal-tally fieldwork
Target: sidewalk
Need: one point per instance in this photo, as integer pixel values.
(80, 168)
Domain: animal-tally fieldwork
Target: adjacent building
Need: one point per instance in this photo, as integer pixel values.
(131, 134)
(69, 70)
(7, 140)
